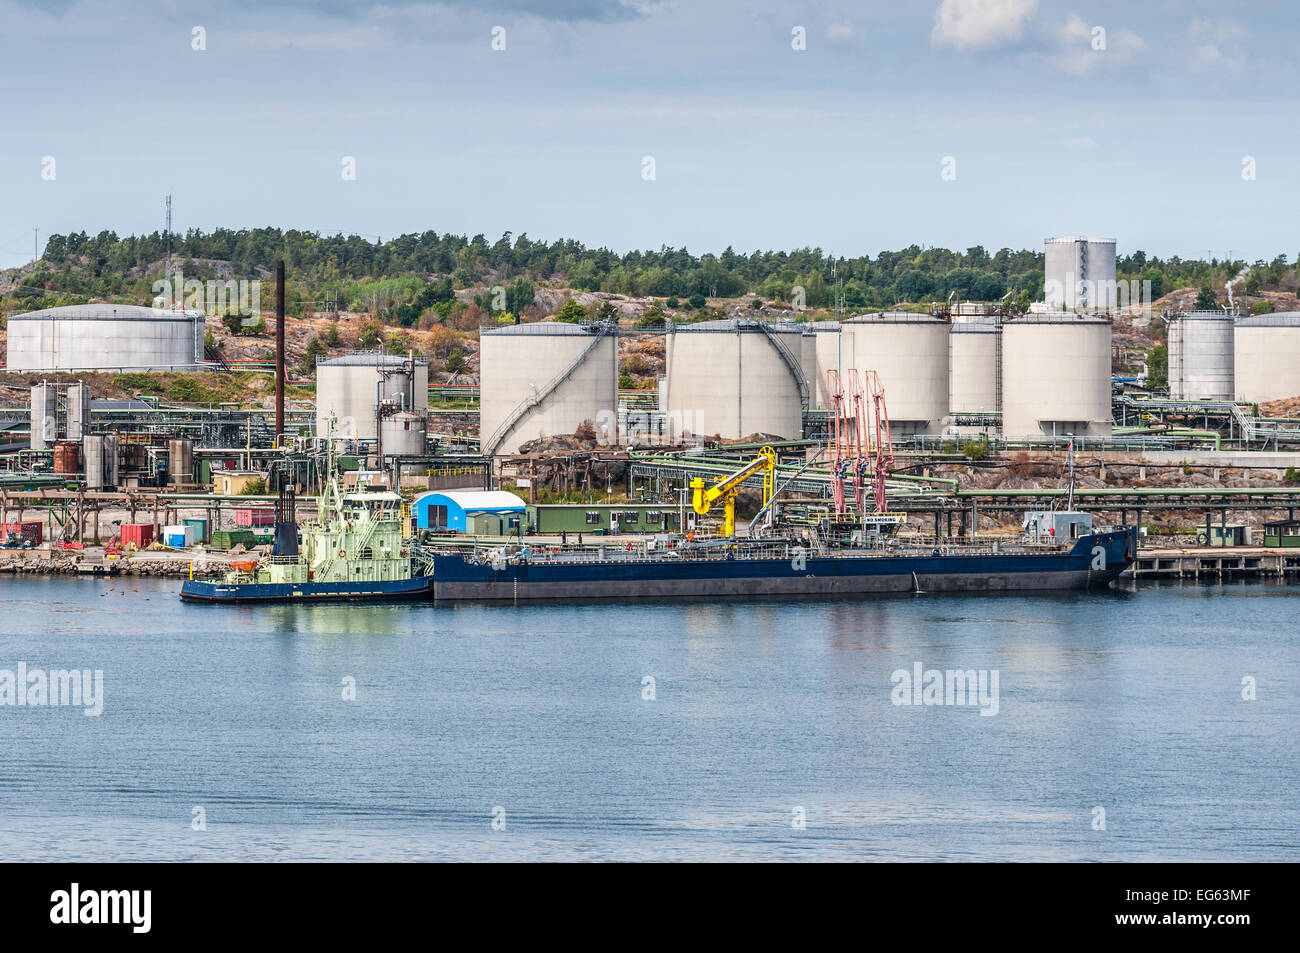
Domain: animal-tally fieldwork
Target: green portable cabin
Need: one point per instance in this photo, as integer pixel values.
(1282, 533)
(603, 518)
(1234, 534)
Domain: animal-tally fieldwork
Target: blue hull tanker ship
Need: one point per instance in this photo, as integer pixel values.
(1086, 560)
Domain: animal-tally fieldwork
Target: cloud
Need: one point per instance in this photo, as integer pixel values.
(599, 11)
(842, 32)
(1080, 143)
(1215, 44)
(1084, 46)
(978, 24)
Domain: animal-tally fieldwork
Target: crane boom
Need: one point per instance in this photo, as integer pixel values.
(726, 488)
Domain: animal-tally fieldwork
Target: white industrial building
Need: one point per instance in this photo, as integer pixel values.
(546, 378)
(1056, 375)
(1266, 356)
(735, 377)
(1201, 355)
(105, 337)
(1079, 274)
(351, 389)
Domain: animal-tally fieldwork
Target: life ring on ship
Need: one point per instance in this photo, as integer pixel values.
(403, 553)
(629, 547)
(555, 550)
(342, 553)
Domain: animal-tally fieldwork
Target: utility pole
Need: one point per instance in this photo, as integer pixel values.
(169, 238)
(35, 256)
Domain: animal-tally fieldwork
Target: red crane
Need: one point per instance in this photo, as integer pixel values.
(838, 429)
(882, 448)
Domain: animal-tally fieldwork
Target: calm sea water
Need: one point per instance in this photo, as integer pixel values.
(1129, 701)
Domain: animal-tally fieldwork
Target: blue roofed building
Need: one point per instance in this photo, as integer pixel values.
(489, 512)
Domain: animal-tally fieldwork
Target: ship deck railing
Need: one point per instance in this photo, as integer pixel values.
(783, 550)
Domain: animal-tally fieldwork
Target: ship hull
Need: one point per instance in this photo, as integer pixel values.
(417, 587)
(1094, 562)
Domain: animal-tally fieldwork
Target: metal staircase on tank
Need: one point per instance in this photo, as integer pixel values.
(489, 447)
(791, 364)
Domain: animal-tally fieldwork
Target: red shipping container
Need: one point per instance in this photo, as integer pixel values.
(141, 534)
(28, 529)
(255, 516)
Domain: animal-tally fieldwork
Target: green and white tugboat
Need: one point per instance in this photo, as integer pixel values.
(357, 550)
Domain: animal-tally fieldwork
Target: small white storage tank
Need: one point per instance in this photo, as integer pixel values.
(1056, 375)
(180, 460)
(1079, 274)
(352, 386)
(1201, 355)
(104, 337)
(735, 377)
(546, 378)
(910, 353)
(402, 435)
(1266, 356)
(975, 367)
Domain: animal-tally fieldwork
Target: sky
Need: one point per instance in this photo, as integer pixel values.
(756, 124)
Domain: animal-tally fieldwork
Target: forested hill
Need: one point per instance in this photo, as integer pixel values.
(342, 269)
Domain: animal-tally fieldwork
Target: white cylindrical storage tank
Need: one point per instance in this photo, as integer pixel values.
(546, 378)
(78, 410)
(1201, 355)
(910, 353)
(92, 448)
(825, 337)
(1266, 356)
(974, 374)
(402, 435)
(45, 416)
(1056, 375)
(735, 378)
(351, 387)
(1079, 274)
(117, 337)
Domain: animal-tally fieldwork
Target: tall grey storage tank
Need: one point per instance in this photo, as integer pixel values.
(350, 389)
(111, 460)
(45, 416)
(1266, 356)
(1079, 274)
(546, 378)
(735, 378)
(92, 449)
(78, 410)
(1056, 375)
(1201, 356)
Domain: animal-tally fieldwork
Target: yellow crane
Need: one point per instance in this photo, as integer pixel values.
(726, 488)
